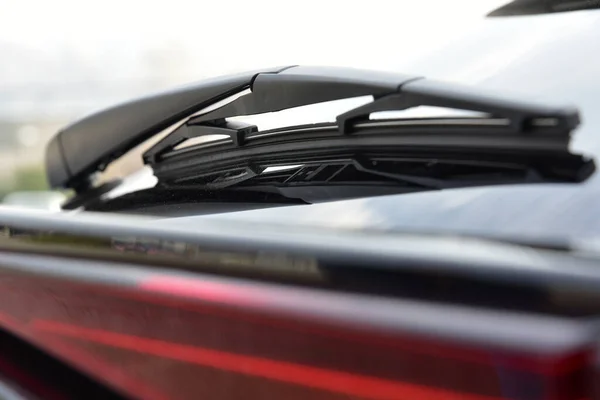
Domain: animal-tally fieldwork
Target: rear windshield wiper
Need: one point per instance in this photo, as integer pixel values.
(512, 141)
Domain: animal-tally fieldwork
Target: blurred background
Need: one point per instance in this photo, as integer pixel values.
(64, 59)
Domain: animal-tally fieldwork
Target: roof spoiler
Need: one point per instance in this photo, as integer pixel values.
(87, 146)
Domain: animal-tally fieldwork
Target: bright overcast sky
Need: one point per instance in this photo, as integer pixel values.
(93, 53)
(228, 35)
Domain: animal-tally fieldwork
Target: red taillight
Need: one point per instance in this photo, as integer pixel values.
(189, 339)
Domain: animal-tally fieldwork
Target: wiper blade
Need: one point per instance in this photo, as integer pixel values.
(508, 125)
(336, 175)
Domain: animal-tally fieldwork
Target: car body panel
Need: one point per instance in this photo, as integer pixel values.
(177, 323)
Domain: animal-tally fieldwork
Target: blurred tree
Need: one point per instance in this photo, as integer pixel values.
(26, 178)
(31, 178)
